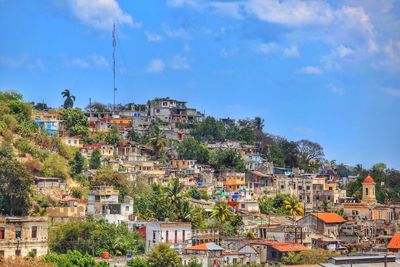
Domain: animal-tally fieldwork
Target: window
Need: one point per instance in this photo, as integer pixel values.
(34, 251)
(18, 232)
(307, 187)
(176, 236)
(183, 235)
(242, 206)
(330, 188)
(1, 254)
(157, 111)
(166, 236)
(18, 252)
(2, 232)
(34, 231)
(366, 191)
(126, 208)
(354, 212)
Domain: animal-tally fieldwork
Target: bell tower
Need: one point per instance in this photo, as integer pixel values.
(368, 191)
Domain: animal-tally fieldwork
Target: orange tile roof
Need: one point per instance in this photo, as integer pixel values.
(369, 180)
(329, 217)
(289, 247)
(234, 182)
(394, 242)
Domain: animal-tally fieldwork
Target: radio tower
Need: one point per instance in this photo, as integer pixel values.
(114, 44)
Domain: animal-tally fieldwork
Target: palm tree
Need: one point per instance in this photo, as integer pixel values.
(157, 141)
(173, 191)
(222, 211)
(293, 206)
(69, 99)
(258, 123)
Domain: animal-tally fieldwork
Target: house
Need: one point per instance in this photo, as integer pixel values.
(324, 223)
(177, 234)
(50, 182)
(249, 206)
(103, 202)
(209, 254)
(394, 244)
(50, 122)
(72, 209)
(273, 251)
(200, 236)
(183, 164)
(20, 236)
(257, 181)
(72, 141)
(233, 181)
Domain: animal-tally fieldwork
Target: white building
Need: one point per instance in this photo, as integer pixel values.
(177, 234)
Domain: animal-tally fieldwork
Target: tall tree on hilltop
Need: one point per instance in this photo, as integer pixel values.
(258, 123)
(69, 99)
(157, 140)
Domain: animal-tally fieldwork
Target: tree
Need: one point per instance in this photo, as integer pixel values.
(113, 137)
(209, 130)
(137, 262)
(73, 258)
(258, 123)
(192, 149)
(107, 176)
(312, 256)
(15, 187)
(77, 164)
(310, 154)
(162, 255)
(193, 263)
(174, 191)
(222, 159)
(293, 206)
(75, 122)
(157, 140)
(97, 107)
(95, 160)
(69, 99)
(221, 211)
(133, 136)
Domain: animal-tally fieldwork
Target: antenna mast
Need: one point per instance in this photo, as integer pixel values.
(114, 44)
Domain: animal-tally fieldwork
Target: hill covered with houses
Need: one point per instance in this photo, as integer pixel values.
(164, 181)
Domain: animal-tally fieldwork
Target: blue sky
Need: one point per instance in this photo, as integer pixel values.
(328, 71)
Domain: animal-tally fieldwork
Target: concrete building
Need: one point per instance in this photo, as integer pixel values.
(20, 236)
(177, 234)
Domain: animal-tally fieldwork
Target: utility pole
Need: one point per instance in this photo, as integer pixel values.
(114, 44)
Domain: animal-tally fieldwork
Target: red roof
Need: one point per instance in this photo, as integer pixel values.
(369, 180)
(394, 242)
(288, 247)
(329, 217)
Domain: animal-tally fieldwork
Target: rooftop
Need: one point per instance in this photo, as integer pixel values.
(394, 242)
(369, 180)
(329, 217)
(206, 247)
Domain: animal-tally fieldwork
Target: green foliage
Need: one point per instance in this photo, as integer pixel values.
(280, 204)
(77, 164)
(312, 256)
(73, 258)
(113, 137)
(95, 160)
(192, 149)
(209, 130)
(133, 136)
(243, 134)
(162, 255)
(94, 237)
(223, 159)
(194, 193)
(107, 176)
(193, 263)
(69, 99)
(157, 140)
(75, 122)
(55, 166)
(15, 185)
(137, 262)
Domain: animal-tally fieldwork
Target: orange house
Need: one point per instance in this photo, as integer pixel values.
(121, 122)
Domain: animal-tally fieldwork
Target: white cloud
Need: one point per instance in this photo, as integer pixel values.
(271, 48)
(232, 9)
(152, 37)
(156, 66)
(309, 70)
(268, 48)
(291, 51)
(22, 62)
(79, 62)
(392, 91)
(100, 14)
(336, 90)
(294, 12)
(98, 60)
(344, 51)
(181, 3)
(175, 33)
(179, 63)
